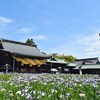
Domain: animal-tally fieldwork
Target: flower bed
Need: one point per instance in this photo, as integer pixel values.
(49, 87)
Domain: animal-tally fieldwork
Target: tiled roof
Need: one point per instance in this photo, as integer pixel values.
(87, 61)
(22, 49)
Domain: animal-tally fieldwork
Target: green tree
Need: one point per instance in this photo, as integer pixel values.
(55, 55)
(70, 58)
(67, 58)
(30, 42)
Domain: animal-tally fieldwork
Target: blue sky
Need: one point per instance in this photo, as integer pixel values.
(67, 27)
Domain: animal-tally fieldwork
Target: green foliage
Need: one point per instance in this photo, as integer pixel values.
(30, 42)
(67, 58)
(4, 77)
(49, 87)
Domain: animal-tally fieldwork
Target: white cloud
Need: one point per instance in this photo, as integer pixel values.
(34, 37)
(91, 41)
(89, 49)
(81, 47)
(5, 20)
(39, 37)
(89, 45)
(25, 30)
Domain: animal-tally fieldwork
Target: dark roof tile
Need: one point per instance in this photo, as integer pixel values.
(22, 49)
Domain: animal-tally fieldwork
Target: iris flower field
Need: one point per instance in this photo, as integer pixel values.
(49, 87)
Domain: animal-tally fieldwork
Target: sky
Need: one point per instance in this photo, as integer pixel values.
(69, 27)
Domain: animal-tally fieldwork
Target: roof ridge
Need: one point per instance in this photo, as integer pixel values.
(17, 42)
(87, 59)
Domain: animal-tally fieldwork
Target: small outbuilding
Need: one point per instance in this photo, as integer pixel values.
(87, 66)
(59, 64)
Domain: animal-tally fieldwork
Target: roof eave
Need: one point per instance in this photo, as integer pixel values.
(24, 55)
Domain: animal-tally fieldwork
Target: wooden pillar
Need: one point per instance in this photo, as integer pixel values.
(26, 68)
(6, 58)
(13, 64)
(51, 67)
(17, 67)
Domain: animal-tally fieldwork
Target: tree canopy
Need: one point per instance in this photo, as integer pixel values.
(67, 58)
(30, 42)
